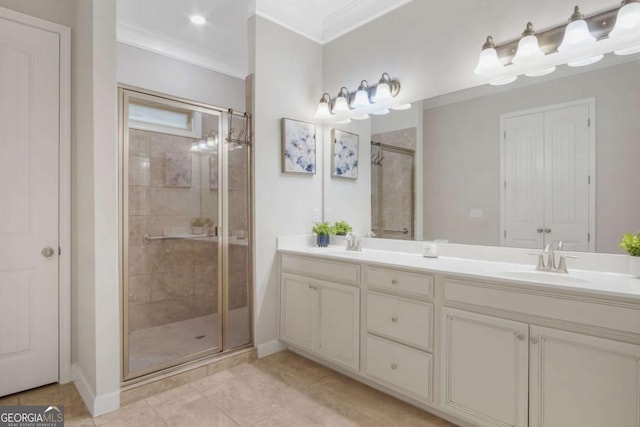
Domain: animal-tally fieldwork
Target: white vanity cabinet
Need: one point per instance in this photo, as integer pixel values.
(495, 370)
(320, 316)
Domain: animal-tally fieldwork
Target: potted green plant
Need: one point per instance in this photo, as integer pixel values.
(631, 243)
(323, 231)
(208, 226)
(197, 226)
(342, 228)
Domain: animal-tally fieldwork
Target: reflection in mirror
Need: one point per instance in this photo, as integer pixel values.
(523, 166)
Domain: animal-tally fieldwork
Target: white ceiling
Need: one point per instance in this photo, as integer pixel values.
(221, 44)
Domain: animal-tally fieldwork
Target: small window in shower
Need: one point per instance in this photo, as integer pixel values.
(153, 117)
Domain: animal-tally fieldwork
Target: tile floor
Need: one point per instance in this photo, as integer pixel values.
(161, 344)
(282, 390)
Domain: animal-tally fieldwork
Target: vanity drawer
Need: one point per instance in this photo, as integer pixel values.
(611, 315)
(401, 319)
(403, 281)
(399, 367)
(324, 269)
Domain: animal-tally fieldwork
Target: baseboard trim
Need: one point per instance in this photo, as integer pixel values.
(97, 405)
(270, 347)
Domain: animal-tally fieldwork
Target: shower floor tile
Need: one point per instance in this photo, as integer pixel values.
(162, 344)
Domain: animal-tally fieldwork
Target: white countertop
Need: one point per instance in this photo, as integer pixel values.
(597, 283)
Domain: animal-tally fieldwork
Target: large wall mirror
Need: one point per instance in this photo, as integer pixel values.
(519, 165)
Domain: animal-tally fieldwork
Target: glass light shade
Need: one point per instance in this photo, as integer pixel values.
(383, 93)
(381, 112)
(528, 50)
(362, 117)
(401, 107)
(361, 99)
(341, 105)
(323, 110)
(543, 72)
(577, 36)
(488, 63)
(503, 81)
(627, 22)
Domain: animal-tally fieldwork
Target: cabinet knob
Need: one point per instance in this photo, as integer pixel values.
(394, 319)
(540, 230)
(394, 281)
(534, 340)
(547, 230)
(522, 337)
(394, 366)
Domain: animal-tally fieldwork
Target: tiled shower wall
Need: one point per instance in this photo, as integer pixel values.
(174, 280)
(396, 197)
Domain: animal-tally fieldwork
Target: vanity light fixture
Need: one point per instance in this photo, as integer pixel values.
(198, 20)
(341, 103)
(383, 90)
(578, 38)
(583, 41)
(529, 52)
(627, 25)
(368, 99)
(323, 111)
(361, 99)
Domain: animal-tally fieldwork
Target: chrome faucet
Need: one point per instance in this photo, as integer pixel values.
(353, 243)
(550, 264)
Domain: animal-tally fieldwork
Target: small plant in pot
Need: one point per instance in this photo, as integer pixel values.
(342, 228)
(197, 226)
(323, 231)
(631, 243)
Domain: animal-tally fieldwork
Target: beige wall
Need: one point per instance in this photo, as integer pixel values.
(149, 70)
(287, 83)
(462, 156)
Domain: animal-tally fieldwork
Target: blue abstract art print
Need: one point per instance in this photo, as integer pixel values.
(344, 154)
(298, 147)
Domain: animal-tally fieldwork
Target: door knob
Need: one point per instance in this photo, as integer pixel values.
(48, 252)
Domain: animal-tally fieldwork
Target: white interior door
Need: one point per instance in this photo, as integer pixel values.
(566, 170)
(524, 184)
(29, 150)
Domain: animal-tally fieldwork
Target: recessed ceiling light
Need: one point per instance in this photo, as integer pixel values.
(198, 20)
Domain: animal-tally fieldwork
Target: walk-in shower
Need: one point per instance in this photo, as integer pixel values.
(185, 184)
(392, 184)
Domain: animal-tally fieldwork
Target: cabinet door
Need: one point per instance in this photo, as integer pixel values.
(484, 368)
(297, 311)
(338, 332)
(583, 381)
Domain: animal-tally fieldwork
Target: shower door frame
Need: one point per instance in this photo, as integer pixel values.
(412, 156)
(125, 92)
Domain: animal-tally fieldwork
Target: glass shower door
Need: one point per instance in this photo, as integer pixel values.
(172, 268)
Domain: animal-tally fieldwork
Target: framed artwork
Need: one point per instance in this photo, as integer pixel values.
(344, 154)
(298, 147)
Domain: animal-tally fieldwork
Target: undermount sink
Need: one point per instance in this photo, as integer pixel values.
(546, 277)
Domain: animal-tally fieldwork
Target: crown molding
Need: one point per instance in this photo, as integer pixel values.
(346, 19)
(296, 18)
(162, 44)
